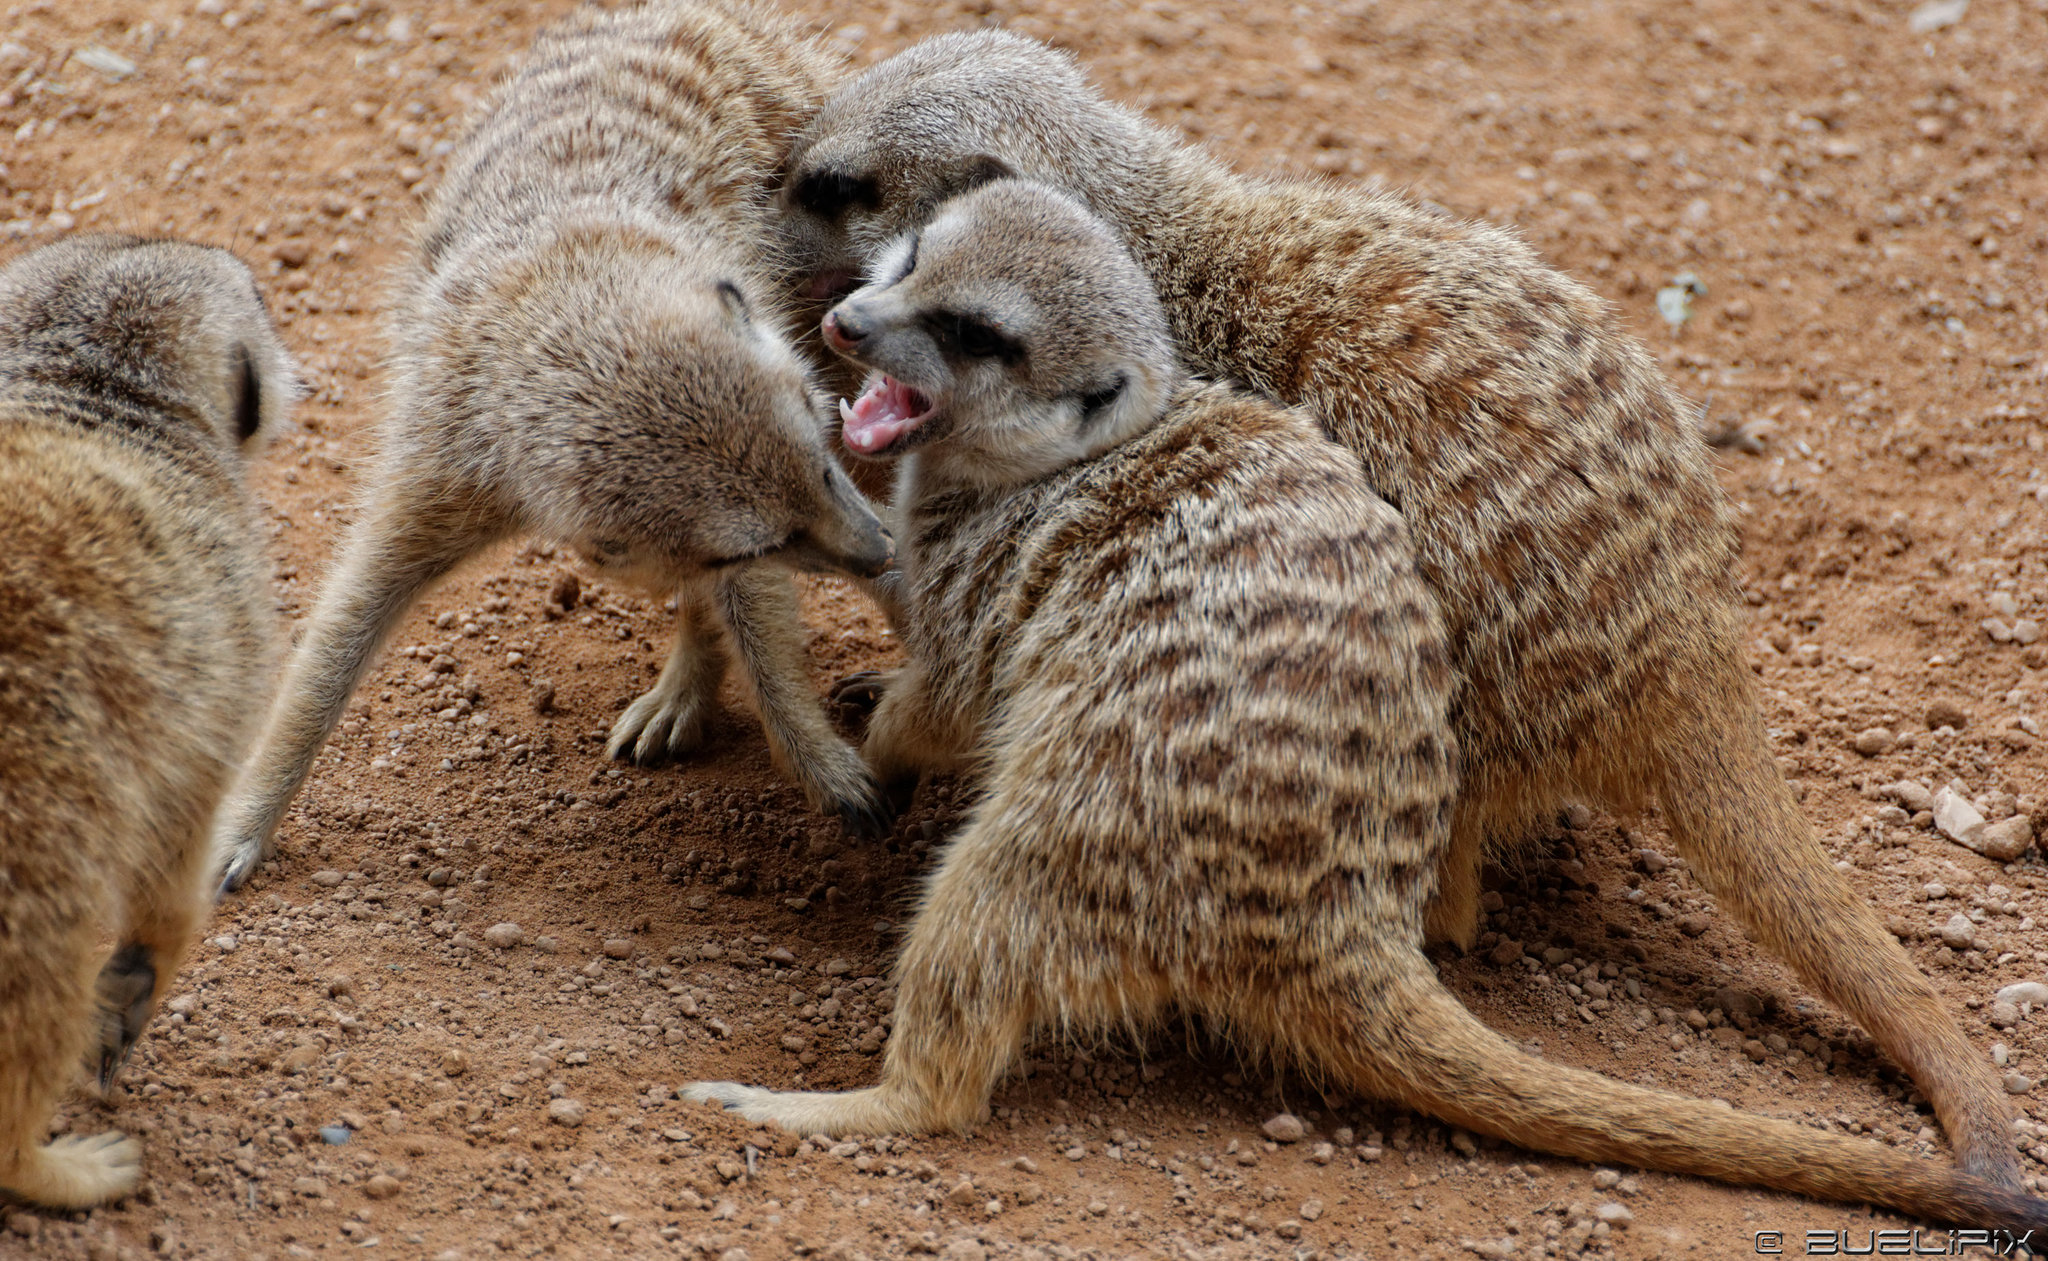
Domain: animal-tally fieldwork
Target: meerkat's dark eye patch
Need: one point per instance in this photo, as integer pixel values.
(830, 194)
(1094, 406)
(972, 337)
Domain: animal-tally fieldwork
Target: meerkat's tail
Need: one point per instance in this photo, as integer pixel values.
(1735, 819)
(1420, 1045)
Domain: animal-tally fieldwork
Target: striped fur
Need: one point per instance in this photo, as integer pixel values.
(1206, 694)
(588, 344)
(1562, 509)
(135, 639)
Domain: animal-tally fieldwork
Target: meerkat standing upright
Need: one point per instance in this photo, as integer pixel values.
(1560, 501)
(589, 345)
(1206, 692)
(136, 632)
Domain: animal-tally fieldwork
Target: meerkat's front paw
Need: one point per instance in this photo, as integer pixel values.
(849, 790)
(244, 854)
(80, 1171)
(126, 986)
(660, 724)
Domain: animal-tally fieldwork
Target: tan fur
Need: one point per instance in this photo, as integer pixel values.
(589, 345)
(135, 640)
(1207, 696)
(1559, 498)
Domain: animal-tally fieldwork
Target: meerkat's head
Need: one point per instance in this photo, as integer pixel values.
(689, 433)
(938, 119)
(1009, 337)
(183, 323)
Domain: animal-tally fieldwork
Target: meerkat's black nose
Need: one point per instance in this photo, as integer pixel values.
(844, 329)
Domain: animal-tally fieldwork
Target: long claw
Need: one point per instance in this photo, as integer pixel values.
(127, 987)
(861, 691)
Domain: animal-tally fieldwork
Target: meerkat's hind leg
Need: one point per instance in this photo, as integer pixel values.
(76, 1171)
(972, 985)
(670, 718)
(414, 530)
(46, 1025)
(1452, 915)
(166, 914)
(760, 612)
(870, 1111)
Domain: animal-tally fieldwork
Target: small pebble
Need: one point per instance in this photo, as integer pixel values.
(2003, 1015)
(1615, 1215)
(1959, 933)
(454, 1063)
(504, 936)
(1874, 741)
(2018, 1083)
(1738, 1002)
(1605, 1179)
(2025, 992)
(1957, 819)
(618, 948)
(382, 1187)
(565, 1111)
(1946, 713)
(963, 1193)
(1284, 1127)
(2005, 840)
(334, 1135)
(1913, 794)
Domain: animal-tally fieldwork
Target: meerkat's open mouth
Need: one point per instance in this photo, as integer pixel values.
(884, 414)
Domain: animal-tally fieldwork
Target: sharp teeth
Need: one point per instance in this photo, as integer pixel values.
(846, 412)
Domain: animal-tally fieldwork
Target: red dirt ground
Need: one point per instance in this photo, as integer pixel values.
(1868, 210)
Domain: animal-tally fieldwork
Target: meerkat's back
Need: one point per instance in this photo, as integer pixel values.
(136, 636)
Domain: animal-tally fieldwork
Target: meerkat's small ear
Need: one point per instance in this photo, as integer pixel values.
(982, 168)
(245, 394)
(1095, 407)
(734, 302)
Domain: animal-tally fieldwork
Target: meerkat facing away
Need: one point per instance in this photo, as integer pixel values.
(135, 637)
(1559, 498)
(1207, 694)
(587, 345)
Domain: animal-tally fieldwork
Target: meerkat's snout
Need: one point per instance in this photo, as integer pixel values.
(848, 537)
(844, 329)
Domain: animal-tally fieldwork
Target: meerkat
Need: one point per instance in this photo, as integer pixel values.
(589, 345)
(1190, 658)
(1558, 496)
(135, 635)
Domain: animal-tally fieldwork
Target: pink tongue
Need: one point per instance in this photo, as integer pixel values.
(884, 412)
